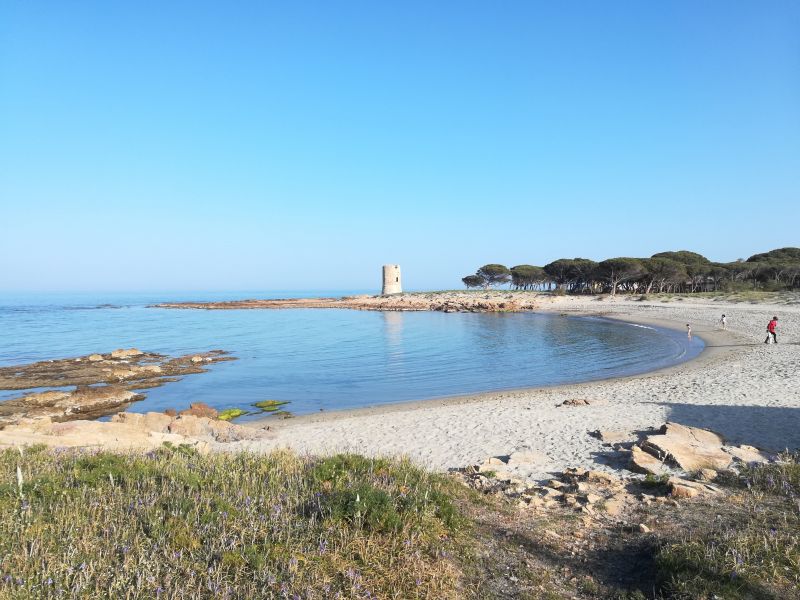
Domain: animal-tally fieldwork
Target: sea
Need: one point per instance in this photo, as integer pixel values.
(332, 359)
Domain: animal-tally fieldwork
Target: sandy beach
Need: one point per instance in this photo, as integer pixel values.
(739, 387)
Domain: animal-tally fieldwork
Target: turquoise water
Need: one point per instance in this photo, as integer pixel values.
(328, 359)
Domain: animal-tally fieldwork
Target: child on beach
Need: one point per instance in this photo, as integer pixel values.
(723, 322)
(771, 331)
(689, 330)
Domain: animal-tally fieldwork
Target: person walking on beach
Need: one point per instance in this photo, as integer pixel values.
(689, 330)
(771, 331)
(723, 322)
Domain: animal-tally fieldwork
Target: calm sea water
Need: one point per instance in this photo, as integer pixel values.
(327, 359)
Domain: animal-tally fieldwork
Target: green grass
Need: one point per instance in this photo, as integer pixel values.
(176, 524)
(747, 546)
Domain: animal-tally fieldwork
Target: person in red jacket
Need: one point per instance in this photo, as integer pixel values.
(771, 330)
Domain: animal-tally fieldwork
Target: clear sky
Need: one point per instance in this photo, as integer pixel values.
(300, 145)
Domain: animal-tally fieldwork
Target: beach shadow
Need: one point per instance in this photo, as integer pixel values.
(616, 455)
(750, 345)
(622, 562)
(767, 427)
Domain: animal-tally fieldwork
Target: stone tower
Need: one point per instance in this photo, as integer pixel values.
(391, 280)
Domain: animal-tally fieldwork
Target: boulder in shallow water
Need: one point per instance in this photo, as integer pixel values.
(122, 353)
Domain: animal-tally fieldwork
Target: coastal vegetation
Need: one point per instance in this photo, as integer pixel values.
(744, 547)
(174, 523)
(672, 272)
(177, 524)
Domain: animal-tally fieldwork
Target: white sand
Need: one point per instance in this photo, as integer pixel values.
(745, 390)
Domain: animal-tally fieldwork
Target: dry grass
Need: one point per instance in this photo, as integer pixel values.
(744, 546)
(174, 524)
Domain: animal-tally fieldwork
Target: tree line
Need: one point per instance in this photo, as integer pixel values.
(681, 271)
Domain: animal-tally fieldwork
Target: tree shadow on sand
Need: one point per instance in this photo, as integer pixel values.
(767, 427)
(750, 345)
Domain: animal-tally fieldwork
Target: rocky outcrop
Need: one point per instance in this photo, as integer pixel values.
(642, 462)
(201, 409)
(678, 460)
(128, 431)
(596, 496)
(519, 464)
(684, 488)
(83, 403)
(104, 383)
(448, 302)
(129, 353)
(747, 454)
(129, 366)
(189, 426)
(690, 448)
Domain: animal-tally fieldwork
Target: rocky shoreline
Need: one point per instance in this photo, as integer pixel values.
(740, 387)
(104, 384)
(491, 301)
(130, 432)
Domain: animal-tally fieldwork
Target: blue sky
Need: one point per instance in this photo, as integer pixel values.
(212, 145)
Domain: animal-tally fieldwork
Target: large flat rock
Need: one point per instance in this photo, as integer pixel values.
(642, 462)
(690, 448)
(85, 402)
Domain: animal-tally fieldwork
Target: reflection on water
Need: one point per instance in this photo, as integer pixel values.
(333, 358)
(393, 332)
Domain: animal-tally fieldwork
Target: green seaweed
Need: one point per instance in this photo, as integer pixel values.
(231, 413)
(270, 405)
